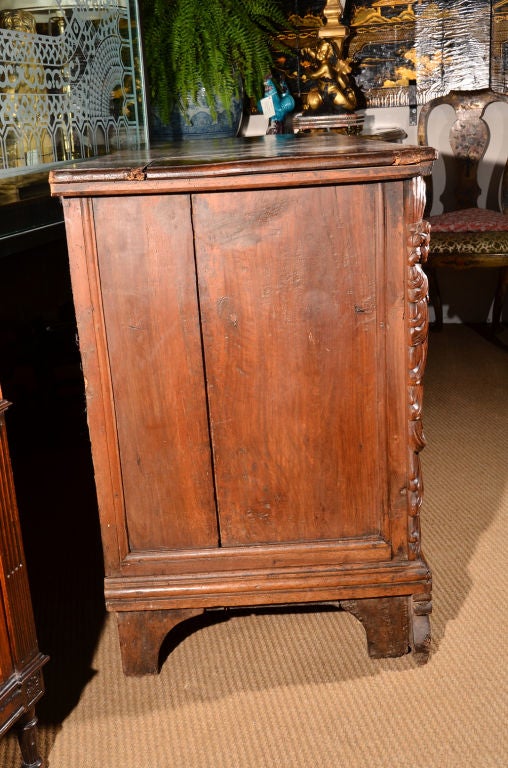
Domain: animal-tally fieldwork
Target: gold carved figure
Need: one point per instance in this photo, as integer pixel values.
(329, 72)
(331, 75)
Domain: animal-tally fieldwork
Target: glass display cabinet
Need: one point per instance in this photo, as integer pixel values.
(70, 88)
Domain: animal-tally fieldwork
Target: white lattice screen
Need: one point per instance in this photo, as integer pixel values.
(69, 80)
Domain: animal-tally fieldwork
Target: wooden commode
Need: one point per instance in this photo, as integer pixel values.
(252, 320)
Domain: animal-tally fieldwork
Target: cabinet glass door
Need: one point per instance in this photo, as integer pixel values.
(70, 81)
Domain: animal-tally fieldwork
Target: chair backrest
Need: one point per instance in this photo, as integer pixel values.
(468, 142)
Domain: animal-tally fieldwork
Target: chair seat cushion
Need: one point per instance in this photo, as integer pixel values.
(469, 233)
(468, 243)
(470, 220)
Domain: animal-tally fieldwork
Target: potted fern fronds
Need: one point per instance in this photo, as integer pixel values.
(207, 51)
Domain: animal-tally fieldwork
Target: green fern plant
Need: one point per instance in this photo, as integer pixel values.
(188, 44)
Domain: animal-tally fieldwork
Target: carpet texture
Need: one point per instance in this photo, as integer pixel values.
(295, 688)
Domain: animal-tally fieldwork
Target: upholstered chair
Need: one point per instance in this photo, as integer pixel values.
(472, 230)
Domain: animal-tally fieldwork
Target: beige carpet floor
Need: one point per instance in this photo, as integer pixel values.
(296, 689)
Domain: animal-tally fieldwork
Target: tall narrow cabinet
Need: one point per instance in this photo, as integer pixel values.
(21, 662)
(252, 320)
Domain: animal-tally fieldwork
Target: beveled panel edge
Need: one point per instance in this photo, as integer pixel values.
(218, 183)
(303, 584)
(193, 163)
(257, 556)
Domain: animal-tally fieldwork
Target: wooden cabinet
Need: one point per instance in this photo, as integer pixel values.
(252, 319)
(21, 684)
